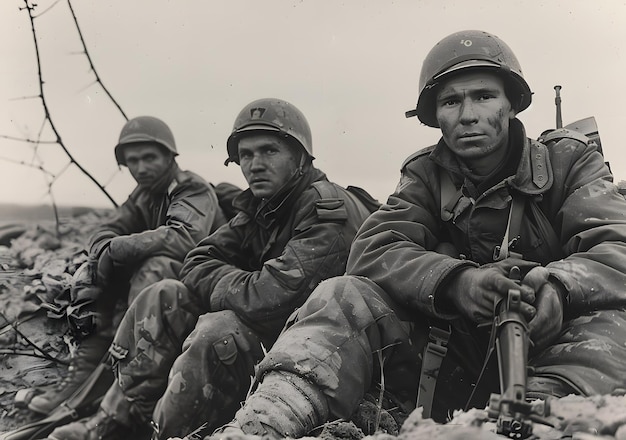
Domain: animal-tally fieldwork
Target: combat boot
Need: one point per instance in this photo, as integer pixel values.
(88, 355)
(101, 426)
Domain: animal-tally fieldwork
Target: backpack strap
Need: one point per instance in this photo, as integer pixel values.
(330, 207)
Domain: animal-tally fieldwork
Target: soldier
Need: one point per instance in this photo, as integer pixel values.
(485, 198)
(146, 240)
(293, 229)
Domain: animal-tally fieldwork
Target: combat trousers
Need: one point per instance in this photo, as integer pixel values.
(208, 381)
(349, 333)
(211, 377)
(146, 343)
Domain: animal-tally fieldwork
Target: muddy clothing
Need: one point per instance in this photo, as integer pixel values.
(145, 241)
(245, 280)
(573, 224)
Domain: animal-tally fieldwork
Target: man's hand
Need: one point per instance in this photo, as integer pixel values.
(474, 292)
(105, 268)
(546, 324)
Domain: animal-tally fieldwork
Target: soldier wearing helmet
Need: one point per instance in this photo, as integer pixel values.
(427, 268)
(144, 241)
(293, 228)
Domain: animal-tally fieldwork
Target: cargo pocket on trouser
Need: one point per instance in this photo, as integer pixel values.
(226, 350)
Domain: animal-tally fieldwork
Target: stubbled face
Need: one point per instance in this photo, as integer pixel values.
(146, 162)
(267, 163)
(474, 115)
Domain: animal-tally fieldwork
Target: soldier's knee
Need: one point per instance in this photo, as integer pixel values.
(343, 289)
(211, 326)
(217, 333)
(165, 291)
(151, 271)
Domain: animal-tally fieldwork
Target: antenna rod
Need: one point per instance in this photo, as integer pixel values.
(557, 102)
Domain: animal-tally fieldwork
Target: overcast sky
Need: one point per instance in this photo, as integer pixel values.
(351, 66)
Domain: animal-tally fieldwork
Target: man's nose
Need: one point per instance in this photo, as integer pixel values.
(142, 166)
(468, 112)
(257, 162)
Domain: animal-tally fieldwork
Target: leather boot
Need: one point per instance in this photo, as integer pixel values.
(89, 354)
(101, 426)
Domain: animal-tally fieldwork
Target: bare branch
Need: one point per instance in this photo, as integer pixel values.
(93, 69)
(47, 9)
(30, 141)
(30, 8)
(29, 165)
(25, 97)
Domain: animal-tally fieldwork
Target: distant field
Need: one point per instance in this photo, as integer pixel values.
(14, 213)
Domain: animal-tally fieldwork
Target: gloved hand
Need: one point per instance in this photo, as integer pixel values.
(546, 325)
(119, 249)
(474, 292)
(105, 268)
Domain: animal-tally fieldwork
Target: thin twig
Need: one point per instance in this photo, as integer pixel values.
(47, 9)
(30, 141)
(45, 354)
(21, 162)
(91, 65)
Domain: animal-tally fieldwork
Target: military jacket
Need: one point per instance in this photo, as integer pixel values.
(574, 223)
(167, 224)
(267, 260)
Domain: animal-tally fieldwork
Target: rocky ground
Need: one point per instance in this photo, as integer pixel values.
(37, 259)
(36, 263)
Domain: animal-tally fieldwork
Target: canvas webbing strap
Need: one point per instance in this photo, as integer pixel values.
(434, 353)
(511, 235)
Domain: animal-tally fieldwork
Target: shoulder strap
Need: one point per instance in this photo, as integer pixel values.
(329, 207)
(452, 200)
(513, 227)
(325, 189)
(417, 154)
(562, 133)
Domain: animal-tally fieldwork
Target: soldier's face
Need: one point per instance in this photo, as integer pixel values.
(474, 115)
(267, 163)
(146, 162)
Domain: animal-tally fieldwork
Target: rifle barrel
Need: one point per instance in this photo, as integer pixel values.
(557, 102)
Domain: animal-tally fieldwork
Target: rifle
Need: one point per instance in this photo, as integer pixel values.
(513, 414)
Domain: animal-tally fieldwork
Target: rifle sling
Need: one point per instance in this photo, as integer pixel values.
(434, 353)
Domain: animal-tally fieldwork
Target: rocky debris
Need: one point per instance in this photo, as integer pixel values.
(36, 266)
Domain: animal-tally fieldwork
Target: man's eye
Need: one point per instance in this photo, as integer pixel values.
(486, 97)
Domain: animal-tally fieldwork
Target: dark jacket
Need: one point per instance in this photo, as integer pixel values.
(267, 260)
(569, 197)
(164, 224)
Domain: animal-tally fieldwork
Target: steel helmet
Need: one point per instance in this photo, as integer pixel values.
(274, 115)
(468, 50)
(144, 129)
